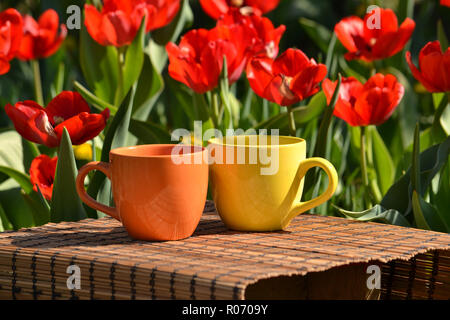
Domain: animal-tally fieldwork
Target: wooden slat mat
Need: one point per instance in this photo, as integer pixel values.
(215, 263)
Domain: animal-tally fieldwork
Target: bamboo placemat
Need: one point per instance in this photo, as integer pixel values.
(215, 263)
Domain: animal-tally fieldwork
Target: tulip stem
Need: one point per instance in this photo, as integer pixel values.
(363, 157)
(119, 92)
(215, 109)
(37, 82)
(292, 128)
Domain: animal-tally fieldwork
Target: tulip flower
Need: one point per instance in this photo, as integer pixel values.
(369, 104)
(198, 60)
(288, 79)
(45, 125)
(366, 104)
(434, 73)
(43, 38)
(42, 174)
(216, 8)
(445, 3)
(258, 32)
(40, 39)
(119, 20)
(366, 41)
(10, 37)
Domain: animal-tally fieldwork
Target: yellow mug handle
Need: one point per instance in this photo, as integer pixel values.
(333, 179)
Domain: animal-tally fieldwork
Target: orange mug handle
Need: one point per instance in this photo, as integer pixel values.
(87, 199)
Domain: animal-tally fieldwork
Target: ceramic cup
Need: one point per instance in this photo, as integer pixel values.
(159, 192)
(257, 181)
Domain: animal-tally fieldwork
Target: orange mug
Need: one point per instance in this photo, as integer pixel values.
(159, 191)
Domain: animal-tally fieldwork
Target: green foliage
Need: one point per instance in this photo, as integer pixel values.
(99, 66)
(66, 205)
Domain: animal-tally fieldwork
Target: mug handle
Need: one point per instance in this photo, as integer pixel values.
(82, 173)
(333, 179)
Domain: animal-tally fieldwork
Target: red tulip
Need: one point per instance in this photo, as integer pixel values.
(42, 174)
(119, 21)
(286, 80)
(198, 60)
(217, 8)
(445, 3)
(43, 38)
(45, 125)
(258, 32)
(10, 37)
(369, 42)
(434, 66)
(363, 105)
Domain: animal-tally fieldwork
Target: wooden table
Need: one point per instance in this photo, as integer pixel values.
(316, 257)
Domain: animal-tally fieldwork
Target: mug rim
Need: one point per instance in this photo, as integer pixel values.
(219, 141)
(118, 151)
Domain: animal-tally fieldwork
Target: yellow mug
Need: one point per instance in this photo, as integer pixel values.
(257, 181)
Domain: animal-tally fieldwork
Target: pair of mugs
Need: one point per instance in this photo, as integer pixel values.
(160, 194)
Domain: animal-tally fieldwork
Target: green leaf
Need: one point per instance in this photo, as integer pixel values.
(314, 109)
(377, 213)
(16, 210)
(441, 122)
(442, 37)
(58, 84)
(319, 34)
(99, 66)
(434, 165)
(183, 97)
(134, 60)
(121, 130)
(116, 136)
(43, 200)
(426, 216)
(330, 54)
(383, 163)
(95, 101)
(149, 133)
(66, 205)
(150, 85)
(185, 17)
(4, 222)
(347, 71)
(39, 209)
(29, 151)
(21, 178)
(415, 167)
(441, 199)
(431, 162)
(11, 151)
